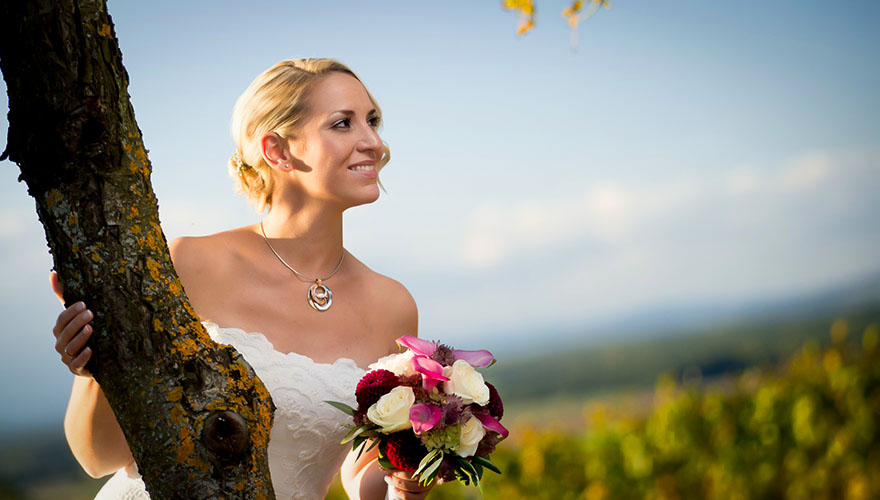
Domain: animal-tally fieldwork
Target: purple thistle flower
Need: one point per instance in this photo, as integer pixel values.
(443, 355)
(452, 410)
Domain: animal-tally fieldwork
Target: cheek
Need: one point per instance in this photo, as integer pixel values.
(334, 151)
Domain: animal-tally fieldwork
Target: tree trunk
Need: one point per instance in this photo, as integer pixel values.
(195, 415)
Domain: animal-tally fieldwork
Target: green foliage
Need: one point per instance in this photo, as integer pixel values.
(808, 430)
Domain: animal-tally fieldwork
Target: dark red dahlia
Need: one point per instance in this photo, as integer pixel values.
(360, 417)
(405, 450)
(447, 471)
(487, 444)
(496, 408)
(373, 386)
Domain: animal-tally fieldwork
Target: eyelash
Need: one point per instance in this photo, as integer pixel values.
(375, 121)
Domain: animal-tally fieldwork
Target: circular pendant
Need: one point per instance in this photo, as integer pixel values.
(320, 297)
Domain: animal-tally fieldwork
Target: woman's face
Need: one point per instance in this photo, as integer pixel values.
(337, 152)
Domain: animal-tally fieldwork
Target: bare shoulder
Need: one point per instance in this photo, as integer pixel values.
(200, 258)
(393, 302)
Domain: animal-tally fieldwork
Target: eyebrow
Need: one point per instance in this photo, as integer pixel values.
(349, 112)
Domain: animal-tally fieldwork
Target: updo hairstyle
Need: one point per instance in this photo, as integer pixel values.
(276, 101)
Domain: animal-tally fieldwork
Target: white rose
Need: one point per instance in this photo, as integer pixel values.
(471, 433)
(399, 364)
(466, 383)
(391, 412)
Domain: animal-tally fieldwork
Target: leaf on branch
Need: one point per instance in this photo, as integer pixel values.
(526, 9)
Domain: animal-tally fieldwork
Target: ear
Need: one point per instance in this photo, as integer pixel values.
(275, 151)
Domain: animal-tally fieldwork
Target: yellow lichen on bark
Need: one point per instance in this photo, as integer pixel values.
(177, 414)
(186, 447)
(185, 346)
(52, 198)
(175, 394)
(154, 267)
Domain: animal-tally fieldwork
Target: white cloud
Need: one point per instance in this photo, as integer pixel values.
(805, 172)
(615, 213)
(11, 225)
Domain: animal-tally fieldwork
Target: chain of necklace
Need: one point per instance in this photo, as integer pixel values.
(320, 297)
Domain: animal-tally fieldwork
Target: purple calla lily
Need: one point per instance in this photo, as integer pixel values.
(424, 417)
(419, 346)
(474, 358)
(489, 422)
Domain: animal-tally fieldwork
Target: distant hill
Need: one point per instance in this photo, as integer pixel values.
(38, 465)
(669, 320)
(699, 352)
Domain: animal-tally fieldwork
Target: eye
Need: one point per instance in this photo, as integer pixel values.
(375, 121)
(343, 123)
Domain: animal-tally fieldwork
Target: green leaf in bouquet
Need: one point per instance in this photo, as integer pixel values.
(485, 462)
(383, 458)
(470, 471)
(360, 442)
(479, 469)
(357, 442)
(430, 457)
(373, 445)
(431, 471)
(355, 433)
(372, 432)
(343, 407)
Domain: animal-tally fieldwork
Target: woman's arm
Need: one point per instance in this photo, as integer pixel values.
(94, 436)
(362, 479)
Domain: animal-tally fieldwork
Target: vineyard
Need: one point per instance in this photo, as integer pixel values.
(806, 430)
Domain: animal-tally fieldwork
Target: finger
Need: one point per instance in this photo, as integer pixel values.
(72, 328)
(78, 341)
(407, 495)
(77, 365)
(56, 285)
(407, 485)
(66, 316)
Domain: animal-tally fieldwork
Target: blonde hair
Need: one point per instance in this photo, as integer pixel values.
(276, 101)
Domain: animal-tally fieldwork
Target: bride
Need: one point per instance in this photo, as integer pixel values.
(307, 149)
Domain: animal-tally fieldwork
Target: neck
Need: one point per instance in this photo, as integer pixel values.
(309, 238)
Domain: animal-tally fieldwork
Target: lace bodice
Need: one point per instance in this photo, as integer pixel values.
(304, 450)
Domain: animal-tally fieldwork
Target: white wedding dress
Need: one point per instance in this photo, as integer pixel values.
(304, 450)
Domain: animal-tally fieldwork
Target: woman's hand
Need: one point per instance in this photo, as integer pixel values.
(72, 331)
(402, 486)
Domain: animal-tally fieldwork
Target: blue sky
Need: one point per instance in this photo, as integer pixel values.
(686, 153)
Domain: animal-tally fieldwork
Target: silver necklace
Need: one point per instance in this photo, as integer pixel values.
(320, 297)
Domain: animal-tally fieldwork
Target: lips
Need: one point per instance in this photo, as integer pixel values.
(364, 163)
(365, 168)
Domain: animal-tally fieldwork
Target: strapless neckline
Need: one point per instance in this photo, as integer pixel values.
(292, 354)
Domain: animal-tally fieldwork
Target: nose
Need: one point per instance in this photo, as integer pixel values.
(371, 142)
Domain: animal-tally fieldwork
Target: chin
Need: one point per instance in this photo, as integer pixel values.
(365, 197)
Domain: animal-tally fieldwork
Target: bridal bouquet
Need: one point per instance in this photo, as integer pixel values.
(429, 412)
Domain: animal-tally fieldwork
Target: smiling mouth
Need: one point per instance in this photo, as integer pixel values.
(361, 168)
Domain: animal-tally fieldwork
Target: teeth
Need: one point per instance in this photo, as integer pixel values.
(363, 167)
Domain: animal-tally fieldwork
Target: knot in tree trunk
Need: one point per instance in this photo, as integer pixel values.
(225, 433)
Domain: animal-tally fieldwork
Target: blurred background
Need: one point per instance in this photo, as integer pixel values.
(656, 231)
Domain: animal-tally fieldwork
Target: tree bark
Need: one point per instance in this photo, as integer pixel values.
(195, 415)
